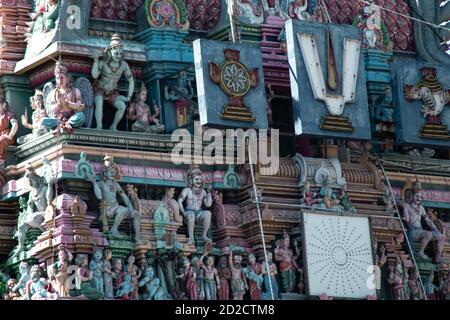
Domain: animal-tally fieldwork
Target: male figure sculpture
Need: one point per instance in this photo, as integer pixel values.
(108, 72)
(107, 190)
(191, 201)
(413, 212)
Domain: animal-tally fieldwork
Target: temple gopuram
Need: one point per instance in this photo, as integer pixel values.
(224, 150)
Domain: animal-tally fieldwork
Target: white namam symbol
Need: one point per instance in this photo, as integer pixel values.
(235, 78)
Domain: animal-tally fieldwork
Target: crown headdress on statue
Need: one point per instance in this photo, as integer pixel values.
(143, 88)
(60, 67)
(116, 41)
(193, 171)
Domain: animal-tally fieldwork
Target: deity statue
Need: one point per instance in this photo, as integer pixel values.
(273, 8)
(413, 212)
(328, 200)
(119, 275)
(181, 93)
(374, 31)
(108, 274)
(446, 287)
(414, 286)
(189, 277)
(106, 191)
(239, 283)
(64, 102)
(269, 273)
(309, 196)
(172, 205)
(225, 276)
(396, 278)
(126, 289)
(254, 277)
(108, 72)
(196, 197)
(12, 294)
(344, 199)
(44, 19)
(153, 285)
(40, 197)
(139, 112)
(8, 129)
(135, 273)
(249, 12)
(285, 256)
(211, 279)
(199, 276)
(37, 286)
(430, 287)
(58, 272)
(21, 286)
(39, 113)
(83, 280)
(96, 267)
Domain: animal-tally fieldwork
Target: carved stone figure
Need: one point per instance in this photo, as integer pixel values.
(182, 93)
(21, 286)
(189, 277)
(413, 212)
(432, 94)
(39, 113)
(64, 102)
(269, 273)
(211, 279)
(153, 286)
(44, 19)
(108, 72)
(224, 276)
(167, 14)
(298, 9)
(239, 283)
(344, 199)
(8, 128)
(108, 274)
(83, 282)
(249, 12)
(273, 8)
(118, 274)
(197, 264)
(139, 111)
(374, 31)
(126, 289)
(37, 286)
(12, 294)
(96, 267)
(255, 279)
(396, 278)
(309, 196)
(191, 201)
(135, 273)
(58, 272)
(172, 205)
(285, 256)
(430, 287)
(40, 197)
(218, 209)
(106, 191)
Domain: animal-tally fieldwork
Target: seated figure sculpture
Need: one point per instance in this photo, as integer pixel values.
(152, 285)
(63, 103)
(106, 191)
(196, 197)
(41, 196)
(39, 113)
(139, 111)
(413, 213)
(108, 72)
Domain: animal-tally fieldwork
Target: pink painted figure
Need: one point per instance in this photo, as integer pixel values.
(396, 280)
(8, 128)
(285, 256)
(144, 120)
(135, 273)
(119, 275)
(254, 287)
(189, 279)
(308, 195)
(224, 276)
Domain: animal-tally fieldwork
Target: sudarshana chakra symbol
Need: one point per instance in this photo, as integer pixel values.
(236, 81)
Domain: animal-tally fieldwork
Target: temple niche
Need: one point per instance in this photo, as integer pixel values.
(108, 192)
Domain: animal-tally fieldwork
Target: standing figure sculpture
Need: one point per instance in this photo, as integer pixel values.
(106, 191)
(413, 212)
(8, 129)
(39, 113)
(224, 276)
(153, 286)
(96, 267)
(108, 72)
(191, 201)
(135, 273)
(269, 273)
(189, 277)
(83, 280)
(239, 283)
(108, 274)
(41, 196)
(396, 278)
(255, 279)
(21, 286)
(58, 273)
(139, 112)
(285, 256)
(211, 279)
(181, 93)
(64, 103)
